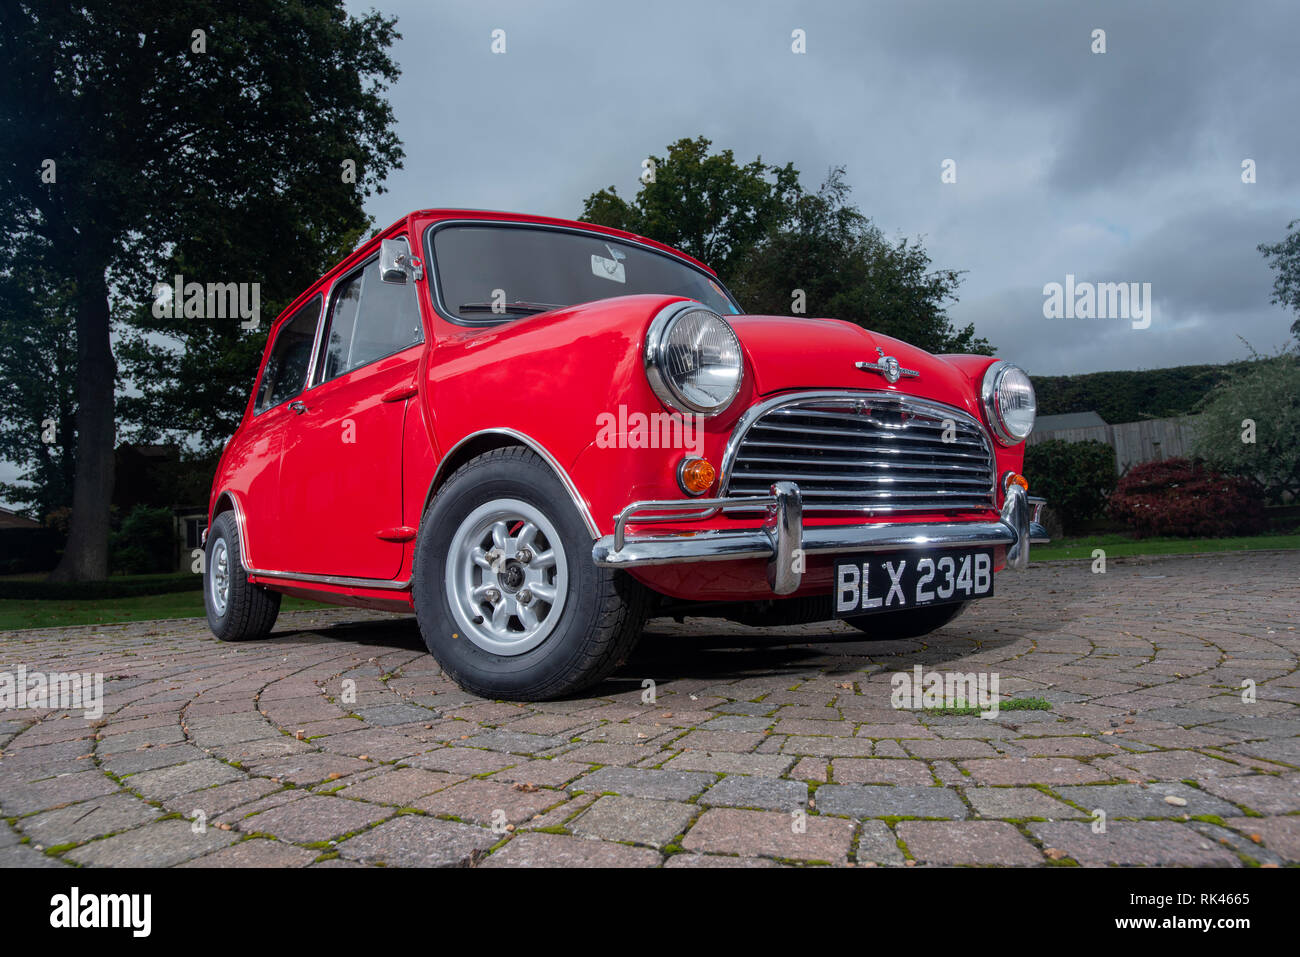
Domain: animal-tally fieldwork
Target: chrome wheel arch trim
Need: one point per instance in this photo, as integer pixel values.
(440, 474)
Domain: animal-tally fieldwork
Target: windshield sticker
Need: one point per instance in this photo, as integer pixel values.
(610, 269)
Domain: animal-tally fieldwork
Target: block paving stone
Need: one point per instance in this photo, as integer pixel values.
(774, 753)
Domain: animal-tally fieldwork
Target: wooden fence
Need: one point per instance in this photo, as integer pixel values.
(1134, 442)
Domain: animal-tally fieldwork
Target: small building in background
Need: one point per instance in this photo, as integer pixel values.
(11, 519)
(1149, 440)
(191, 520)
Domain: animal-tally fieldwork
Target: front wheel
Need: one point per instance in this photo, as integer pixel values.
(912, 623)
(237, 609)
(508, 599)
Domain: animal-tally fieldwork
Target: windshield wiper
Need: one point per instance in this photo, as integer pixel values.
(501, 308)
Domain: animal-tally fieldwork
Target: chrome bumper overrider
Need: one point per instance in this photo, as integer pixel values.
(784, 540)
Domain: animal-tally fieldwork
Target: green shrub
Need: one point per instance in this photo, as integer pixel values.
(146, 542)
(1250, 426)
(1074, 477)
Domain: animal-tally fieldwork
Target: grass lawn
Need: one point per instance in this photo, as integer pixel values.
(19, 613)
(1117, 546)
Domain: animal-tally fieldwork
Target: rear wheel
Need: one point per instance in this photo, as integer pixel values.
(507, 597)
(237, 609)
(912, 623)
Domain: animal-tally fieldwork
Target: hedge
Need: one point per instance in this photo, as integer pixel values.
(1074, 477)
(29, 590)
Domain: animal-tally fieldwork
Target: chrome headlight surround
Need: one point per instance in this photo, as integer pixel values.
(665, 337)
(1009, 402)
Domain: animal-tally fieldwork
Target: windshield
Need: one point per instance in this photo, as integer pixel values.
(486, 273)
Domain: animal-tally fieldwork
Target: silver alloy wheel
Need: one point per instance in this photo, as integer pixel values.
(219, 577)
(507, 577)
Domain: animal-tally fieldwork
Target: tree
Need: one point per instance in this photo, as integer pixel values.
(38, 350)
(847, 269)
(704, 204)
(133, 137)
(1250, 425)
(1285, 256)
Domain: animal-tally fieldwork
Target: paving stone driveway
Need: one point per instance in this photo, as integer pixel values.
(339, 743)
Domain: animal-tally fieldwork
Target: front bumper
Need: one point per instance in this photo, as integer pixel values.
(785, 541)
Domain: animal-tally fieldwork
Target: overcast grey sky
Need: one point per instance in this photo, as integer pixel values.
(1123, 166)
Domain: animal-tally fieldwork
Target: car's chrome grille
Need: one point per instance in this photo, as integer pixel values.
(864, 452)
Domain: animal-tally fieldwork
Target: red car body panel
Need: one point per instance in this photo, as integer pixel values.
(335, 520)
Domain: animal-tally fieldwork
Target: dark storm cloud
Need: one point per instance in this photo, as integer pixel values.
(1123, 166)
(1116, 167)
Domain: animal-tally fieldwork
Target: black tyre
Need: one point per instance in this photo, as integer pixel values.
(508, 599)
(913, 623)
(237, 609)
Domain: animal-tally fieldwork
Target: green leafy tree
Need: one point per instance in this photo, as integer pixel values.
(135, 138)
(847, 269)
(38, 361)
(146, 542)
(1250, 425)
(705, 204)
(1285, 259)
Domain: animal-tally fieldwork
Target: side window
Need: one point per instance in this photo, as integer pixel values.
(286, 370)
(369, 319)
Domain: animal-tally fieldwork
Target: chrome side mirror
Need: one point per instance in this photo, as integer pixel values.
(396, 263)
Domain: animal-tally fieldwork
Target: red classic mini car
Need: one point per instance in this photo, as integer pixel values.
(536, 433)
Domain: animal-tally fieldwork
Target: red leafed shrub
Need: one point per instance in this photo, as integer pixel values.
(1179, 497)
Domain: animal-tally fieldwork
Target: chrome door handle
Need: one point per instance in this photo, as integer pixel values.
(299, 406)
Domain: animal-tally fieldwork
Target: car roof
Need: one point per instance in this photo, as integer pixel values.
(502, 215)
(486, 215)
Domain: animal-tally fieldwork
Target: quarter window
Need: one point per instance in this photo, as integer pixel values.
(369, 319)
(286, 370)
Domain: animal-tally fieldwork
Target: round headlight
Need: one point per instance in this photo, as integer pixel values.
(1009, 402)
(692, 359)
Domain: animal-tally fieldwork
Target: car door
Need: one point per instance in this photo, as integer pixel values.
(341, 467)
(262, 438)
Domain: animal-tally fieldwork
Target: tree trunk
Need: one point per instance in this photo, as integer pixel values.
(86, 555)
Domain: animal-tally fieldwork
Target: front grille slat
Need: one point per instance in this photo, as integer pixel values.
(875, 450)
(869, 464)
(812, 477)
(885, 434)
(866, 452)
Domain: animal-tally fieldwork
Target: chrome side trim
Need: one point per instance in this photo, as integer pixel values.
(242, 525)
(569, 486)
(386, 584)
